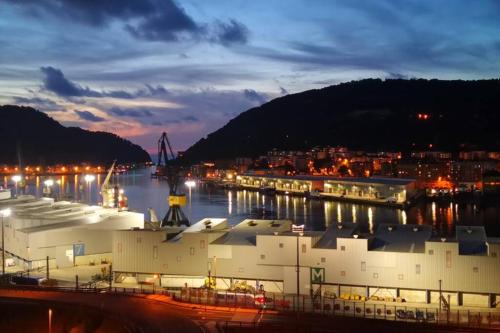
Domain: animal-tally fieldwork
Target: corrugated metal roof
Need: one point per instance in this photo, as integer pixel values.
(401, 238)
(341, 230)
(245, 233)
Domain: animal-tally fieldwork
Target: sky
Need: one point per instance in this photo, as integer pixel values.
(140, 67)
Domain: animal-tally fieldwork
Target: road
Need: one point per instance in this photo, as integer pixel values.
(159, 313)
(139, 314)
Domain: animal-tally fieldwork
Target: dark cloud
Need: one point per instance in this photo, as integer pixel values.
(396, 76)
(89, 116)
(253, 95)
(153, 20)
(55, 81)
(165, 24)
(92, 12)
(232, 32)
(134, 113)
(42, 104)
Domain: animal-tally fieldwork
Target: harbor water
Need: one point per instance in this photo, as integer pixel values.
(236, 205)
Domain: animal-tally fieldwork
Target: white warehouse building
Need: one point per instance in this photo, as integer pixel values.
(404, 261)
(65, 232)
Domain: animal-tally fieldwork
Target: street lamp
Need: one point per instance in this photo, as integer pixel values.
(48, 186)
(4, 213)
(16, 179)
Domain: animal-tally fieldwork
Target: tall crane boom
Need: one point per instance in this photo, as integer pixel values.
(169, 168)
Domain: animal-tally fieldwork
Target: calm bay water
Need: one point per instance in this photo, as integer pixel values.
(205, 201)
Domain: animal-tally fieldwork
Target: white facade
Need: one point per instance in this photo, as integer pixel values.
(38, 228)
(401, 260)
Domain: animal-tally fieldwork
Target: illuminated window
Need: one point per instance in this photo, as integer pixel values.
(202, 244)
(494, 254)
(400, 276)
(191, 251)
(323, 259)
(119, 247)
(262, 256)
(179, 259)
(342, 273)
(475, 269)
(155, 252)
(363, 266)
(448, 259)
(417, 269)
(281, 245)
(375, 275)
(342, 248)
(304, 248)
(431, 252)
(139, 240)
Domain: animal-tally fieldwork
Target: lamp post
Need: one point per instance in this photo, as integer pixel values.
(16, 179)
(440, 296)
(48, 186)
(4, 213)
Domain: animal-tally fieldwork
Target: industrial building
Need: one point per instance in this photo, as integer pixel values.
(404, 261)
(375, 190)
(67, 233)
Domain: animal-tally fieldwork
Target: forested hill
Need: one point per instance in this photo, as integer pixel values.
(37, 138)
(371, 114)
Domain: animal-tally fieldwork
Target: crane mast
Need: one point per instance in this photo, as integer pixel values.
(168, 167)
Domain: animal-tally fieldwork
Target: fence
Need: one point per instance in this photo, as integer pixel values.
(292, 303)
(339, 307)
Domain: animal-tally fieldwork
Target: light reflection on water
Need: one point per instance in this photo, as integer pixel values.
(207, 201)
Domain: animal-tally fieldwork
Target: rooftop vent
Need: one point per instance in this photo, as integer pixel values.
(415, 229)
(443, 239)
(252, 224)
(274, 224)
(276, 233)
(390, 228)
(469, 231)
(355, 236)
(340, 226)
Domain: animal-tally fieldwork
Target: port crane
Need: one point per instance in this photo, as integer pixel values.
(168, 167)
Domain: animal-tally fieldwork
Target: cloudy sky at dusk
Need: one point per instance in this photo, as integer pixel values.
(139, 67)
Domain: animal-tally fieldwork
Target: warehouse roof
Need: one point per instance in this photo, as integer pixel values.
(245, 233)
(340, 230)
(471, 240)
(401, 238)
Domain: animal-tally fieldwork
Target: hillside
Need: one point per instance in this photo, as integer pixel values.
(369, 115)
(41, 140)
